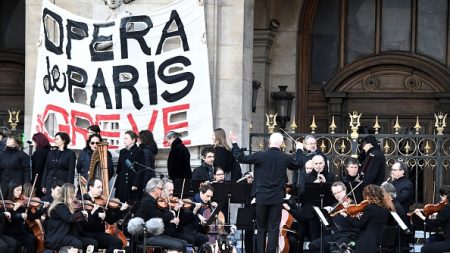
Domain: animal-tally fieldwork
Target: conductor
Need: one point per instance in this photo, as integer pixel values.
(269, 182)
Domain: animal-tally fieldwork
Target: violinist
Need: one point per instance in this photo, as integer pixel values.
(7, 244)
(149, 208)
(16, 228)
(403, 186)
(205, 172)
(439, 219)
(372, 170)
(94, 227)
(372, 221)
(63, 225)
(346, 232)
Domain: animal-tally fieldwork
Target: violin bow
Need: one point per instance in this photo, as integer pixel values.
(81, 191)
(181, 197)
(32, 189)
(3, 199)
(113, 179)
(350, 192)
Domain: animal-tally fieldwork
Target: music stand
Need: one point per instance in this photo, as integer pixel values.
(241, 193)
(245, 220)
(402, 226)
(318, 194)
(325, 222)
(221, 192)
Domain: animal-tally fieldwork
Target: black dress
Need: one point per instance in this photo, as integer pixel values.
(128, 176)
(60, 166)
(370, 225)
(38, 160)
(149, 161)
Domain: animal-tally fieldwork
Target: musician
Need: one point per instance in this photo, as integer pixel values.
(403, 186)
(179, 160)
(205, 172)
(60, 163)
(223, 156)
(63, 225)
(147, 143)
(374, 218)
(149, 209)
(16, 227)
(94, 227)
(219, 175)
(268, 187)
(373, 167)
(308, 149)
(129, 183)
(14, 164)
(39, 159)
(345, 232)
(351, 168)
(442, 220)
(84, 159)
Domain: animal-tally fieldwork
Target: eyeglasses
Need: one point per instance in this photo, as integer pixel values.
(220, 174)
(94, 143)
(335, 193)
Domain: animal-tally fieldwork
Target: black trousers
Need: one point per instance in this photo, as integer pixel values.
(167, 242)
(26, 240)
(79, 243)
(436, 247)
(105, 241)
(7, 244)
(268, 218)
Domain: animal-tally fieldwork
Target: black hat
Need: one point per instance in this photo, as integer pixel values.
(370, 139)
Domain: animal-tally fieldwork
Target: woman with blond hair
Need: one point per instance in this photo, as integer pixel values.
(223, 156)
(62, 227)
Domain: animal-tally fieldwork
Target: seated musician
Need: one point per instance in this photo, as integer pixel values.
(440, 218)
(200, 212)
(63, 225)
(346, 233)
(95, 226)
(7, 244)
(205, 172)
(372, 221)
(16, 228)
(149, 208)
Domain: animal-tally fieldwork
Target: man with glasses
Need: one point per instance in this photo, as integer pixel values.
(149, 208)
(403, 186)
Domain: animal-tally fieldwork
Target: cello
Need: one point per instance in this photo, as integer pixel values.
(35, 225)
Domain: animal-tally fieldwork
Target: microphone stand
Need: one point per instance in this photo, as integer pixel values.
(144, 244)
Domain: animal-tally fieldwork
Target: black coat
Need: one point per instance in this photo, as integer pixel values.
(60, 224)
(203, 172)
(149, 209)
(370, 225)
(405, 192)
(60, 166)
(84, 163)
(224, 159)
(38, 160)
(149, 161)
(373, 167)
(94, 223)
(270, 175)
(126, 177)
(179, 161)
(14, 166)
(442, 220)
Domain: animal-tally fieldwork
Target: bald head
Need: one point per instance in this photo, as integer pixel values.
(275, 140)
(318, 163)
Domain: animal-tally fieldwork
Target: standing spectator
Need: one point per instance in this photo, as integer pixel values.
(205, 172)
(39, 158)
(14, 164)
(179, 160)
(129, 185)
(223, 156)
(60, 163)
(93, 129)
(148, 145)
(373, 167)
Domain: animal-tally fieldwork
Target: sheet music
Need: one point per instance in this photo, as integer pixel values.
(321, 216)
(399, 221)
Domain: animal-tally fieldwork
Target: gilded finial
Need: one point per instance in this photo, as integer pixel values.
(377, 125)
(313, 125)
(397, 125)
(386, 147)
(271, 122)
(417, 126)
(333, 125)
(427, 148)
(440, 122)
(293, 125)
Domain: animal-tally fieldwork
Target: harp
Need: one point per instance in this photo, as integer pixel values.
(99, 166)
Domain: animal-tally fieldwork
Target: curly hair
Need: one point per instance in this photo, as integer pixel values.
(374, 194)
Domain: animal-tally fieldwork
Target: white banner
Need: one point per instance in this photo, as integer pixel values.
(154, 75)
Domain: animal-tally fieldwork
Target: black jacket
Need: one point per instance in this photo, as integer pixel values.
(149, 161)
(203, 172)
(149, 209)
(370, 225)
(94, 223)
(39, 159)
(373, 168)
(224, 159)
(14, 166)
(442, 220)
(60, 224)
(405, 192)
(179, 161)
(270, 175)
(126, 177)
(60, 166)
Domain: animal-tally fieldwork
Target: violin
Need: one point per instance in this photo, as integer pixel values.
(8, 203)
(112, 203)
(355, 209)
(430, 209)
